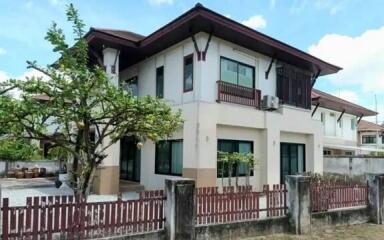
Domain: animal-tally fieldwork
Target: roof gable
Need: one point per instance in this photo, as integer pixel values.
(201, 19)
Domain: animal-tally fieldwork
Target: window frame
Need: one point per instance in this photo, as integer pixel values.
(237, 148)
(364, 137)
(189, 56)
(157, 80)
(239, 63)
(170, 173)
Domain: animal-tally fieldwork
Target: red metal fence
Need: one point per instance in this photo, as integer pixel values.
(239, 204)
(326, 195)
(74, 218)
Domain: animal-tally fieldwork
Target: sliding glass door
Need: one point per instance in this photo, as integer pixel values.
(129, 159)
(292, 159)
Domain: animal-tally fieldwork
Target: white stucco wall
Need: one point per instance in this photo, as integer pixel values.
(205, 120)
(334, 133)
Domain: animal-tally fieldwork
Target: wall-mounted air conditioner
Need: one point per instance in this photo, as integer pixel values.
(270, 102)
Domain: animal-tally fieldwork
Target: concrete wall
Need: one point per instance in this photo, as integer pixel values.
(354, 167)
(51, 166)
(243, 229)
(338, 217)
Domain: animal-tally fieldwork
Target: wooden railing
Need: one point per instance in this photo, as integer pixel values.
(238, 204)
(74, 218)
(232, 93)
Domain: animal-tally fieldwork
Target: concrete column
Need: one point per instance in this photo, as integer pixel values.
(299, 203)
(108, 175)
(180, 209)
(376, 198)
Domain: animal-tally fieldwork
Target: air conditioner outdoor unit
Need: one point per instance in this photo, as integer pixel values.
(270, 102)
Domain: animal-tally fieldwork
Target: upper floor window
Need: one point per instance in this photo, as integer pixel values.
(160, 82)
(131, 84)
(237, 73)
(169, 157)
(369, 139)
(293, 86)
(188, 73)
(322, 117)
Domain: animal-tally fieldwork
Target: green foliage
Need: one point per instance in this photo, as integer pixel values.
(234, 158)
(16, 149)
(81, 97)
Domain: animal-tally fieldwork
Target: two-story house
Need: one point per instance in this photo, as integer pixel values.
(217, 71)
(339, 119)
(371, 137)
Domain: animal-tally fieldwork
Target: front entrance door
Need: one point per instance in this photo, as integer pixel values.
(129, 159)
(292, 159)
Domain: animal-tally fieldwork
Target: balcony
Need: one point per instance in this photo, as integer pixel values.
(231, 93)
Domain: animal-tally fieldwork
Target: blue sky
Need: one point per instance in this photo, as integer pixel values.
(348, 33)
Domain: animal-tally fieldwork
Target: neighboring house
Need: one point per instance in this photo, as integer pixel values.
(371, 137)
(217, 71)
(339, 119)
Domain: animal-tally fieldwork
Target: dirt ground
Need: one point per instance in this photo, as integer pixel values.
(353, 232)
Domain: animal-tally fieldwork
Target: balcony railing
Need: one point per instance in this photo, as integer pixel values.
(228, 92)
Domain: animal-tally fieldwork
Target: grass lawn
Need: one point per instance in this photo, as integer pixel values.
(353, 232)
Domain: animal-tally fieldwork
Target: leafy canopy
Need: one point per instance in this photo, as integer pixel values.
(77, 99)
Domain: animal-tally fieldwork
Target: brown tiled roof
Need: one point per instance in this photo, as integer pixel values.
(201, 19)
(127, 35)
(370, 126)
(329, 101)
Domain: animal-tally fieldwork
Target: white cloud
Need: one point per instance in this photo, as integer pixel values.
(348, 95)
(3, 76)
(360, 57)
(257, 21)
(161, 2)
(2, 51)
(27, 74)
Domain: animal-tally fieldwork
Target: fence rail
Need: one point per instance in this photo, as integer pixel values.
(326, 196)
(239, 204)
(74, 218)
(232, 93)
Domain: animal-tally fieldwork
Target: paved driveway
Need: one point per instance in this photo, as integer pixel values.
(18, 190)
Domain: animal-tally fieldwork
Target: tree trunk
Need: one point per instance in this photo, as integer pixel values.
(88, 181)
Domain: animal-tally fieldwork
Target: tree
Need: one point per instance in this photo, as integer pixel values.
(81, 98)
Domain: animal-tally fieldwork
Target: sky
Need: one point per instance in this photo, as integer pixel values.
(347, 33)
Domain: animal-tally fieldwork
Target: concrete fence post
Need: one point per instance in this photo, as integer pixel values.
(299, 203)
(180, 208)
(376, 198)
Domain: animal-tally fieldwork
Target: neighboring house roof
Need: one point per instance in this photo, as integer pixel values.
(135, 47)
(370, 126)
(329, 101)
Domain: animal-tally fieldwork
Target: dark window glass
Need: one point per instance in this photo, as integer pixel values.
(233, 146)
(188, 73)
(169, 157)
(237, 73)
(369, 139)
(160, 82)
(131, 84)
(292, 158)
